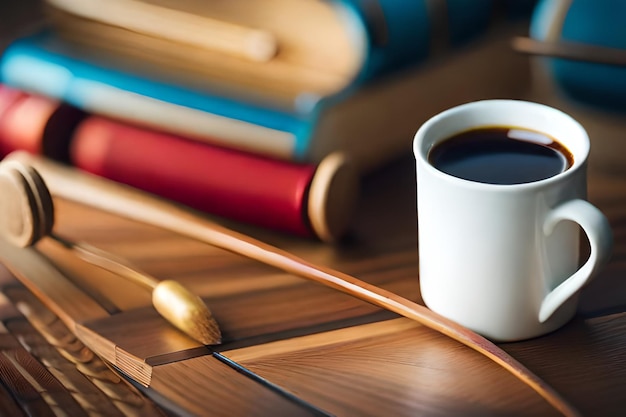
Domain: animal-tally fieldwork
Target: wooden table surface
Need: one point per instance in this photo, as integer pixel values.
(293, 347)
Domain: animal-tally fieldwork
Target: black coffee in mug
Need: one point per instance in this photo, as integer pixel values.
(501, 155)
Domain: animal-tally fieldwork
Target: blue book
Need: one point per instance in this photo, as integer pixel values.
(44, 64)
(585, 22)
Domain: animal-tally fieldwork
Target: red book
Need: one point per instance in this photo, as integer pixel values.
(35, 124)
(304, 199)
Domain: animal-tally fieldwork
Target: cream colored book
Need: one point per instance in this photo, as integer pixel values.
(282, 47)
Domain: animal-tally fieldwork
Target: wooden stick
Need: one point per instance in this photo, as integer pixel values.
(72, 185)
(191, 316)
(162, 22)
(571, 50)
(27, 215)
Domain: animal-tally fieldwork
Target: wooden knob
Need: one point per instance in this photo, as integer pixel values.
(333, 196)
(26, 208)
(27, 215)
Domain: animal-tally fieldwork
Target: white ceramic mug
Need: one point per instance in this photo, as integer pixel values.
(503, 260)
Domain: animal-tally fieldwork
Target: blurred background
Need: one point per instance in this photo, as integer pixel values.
(224, 106)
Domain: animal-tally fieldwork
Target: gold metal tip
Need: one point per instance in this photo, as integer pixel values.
(186, 311)
(183, 309)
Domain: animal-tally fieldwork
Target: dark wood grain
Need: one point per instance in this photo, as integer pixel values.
(247, 299)
(205, 385)
(69, 377)
(51, 390)
(606, 294)
(586, 360)
(390, 368)
(15, 379)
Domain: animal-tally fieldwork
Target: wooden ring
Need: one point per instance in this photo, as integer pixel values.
(26, 207)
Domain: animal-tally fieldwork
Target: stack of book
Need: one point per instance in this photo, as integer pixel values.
(263, 111)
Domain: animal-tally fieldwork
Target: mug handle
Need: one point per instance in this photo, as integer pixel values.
(598, 231)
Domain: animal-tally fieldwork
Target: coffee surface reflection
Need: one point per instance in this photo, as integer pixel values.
(500, 155)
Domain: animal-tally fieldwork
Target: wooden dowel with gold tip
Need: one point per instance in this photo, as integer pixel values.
(27, 215)
(179, 306)
(124, 201)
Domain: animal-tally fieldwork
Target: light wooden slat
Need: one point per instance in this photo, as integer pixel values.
(80, 312)
(207, 386)
(38, 275)
(75, 381)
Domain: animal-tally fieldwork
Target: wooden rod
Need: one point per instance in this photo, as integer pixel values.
(107, 261)
(571, 50)
(101, 194)
(162, 22)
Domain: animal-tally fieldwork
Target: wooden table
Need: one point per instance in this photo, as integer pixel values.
(292, 347)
